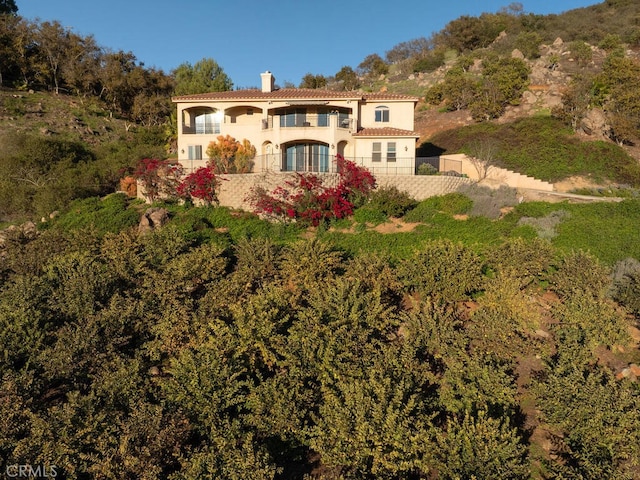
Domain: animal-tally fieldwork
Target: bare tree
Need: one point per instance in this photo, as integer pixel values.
(483, 153)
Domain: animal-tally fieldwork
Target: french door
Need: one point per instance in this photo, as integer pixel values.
(306, 157)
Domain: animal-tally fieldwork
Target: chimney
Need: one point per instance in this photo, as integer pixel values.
(268, 81)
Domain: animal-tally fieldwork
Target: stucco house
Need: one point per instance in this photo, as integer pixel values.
(302, 129)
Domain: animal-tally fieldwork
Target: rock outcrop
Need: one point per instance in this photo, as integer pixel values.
(152, 219)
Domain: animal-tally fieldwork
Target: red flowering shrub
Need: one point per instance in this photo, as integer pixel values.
(201, 184)
(158, 177)
(356, 179)
(305, 199)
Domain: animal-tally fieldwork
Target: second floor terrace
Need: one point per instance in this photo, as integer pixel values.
(210, 121)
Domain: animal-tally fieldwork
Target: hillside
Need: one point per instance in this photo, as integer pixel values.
(467, 336)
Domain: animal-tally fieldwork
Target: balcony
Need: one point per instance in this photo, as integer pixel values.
(339, 121)
(326, 164)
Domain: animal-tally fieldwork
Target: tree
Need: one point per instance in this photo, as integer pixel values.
(576, 100)
(313, 81)
(54, 42)
(412, 48)
(348, 78)
(469, 33)
(205, 76)
(529, 44)
(8, 7)
(115, 86)
(621, 78)
(581, 52)
(80, 67)
(373, 65)
(227, 155)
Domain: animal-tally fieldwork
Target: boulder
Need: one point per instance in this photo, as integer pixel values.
(152, 219)
(29, 230)
(595, 123)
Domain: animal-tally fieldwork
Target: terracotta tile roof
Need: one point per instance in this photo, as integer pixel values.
(385, 132)
(292, 94)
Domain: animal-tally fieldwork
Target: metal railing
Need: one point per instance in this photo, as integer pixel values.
(319, 164)
(315, 164)
(309, 121)
(440, 164)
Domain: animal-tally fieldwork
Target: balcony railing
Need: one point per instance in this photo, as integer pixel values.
(275, 163)
(308, 121)
(317, 164)
(206, 130)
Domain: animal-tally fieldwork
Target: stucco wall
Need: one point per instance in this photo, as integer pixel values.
(494, 176)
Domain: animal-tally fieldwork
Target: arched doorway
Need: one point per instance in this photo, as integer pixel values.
(304, 156)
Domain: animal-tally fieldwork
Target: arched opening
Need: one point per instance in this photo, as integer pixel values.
(305, 156)
(201, 120)
(342, 147)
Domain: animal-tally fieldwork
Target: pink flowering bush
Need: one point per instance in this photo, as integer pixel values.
(307, 200)
(158, 177)
(202, 184)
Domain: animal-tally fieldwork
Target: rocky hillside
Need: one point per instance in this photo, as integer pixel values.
(550, 76)
(70, 117)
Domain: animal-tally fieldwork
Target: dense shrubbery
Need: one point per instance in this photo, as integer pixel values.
(241, 353)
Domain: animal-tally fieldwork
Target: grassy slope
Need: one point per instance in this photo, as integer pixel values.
(607, 230)
(544, 148)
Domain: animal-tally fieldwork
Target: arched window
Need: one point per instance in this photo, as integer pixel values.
(207, 122)
(382, 114)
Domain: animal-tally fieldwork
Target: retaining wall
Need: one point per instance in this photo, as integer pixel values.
(494, 176)
(236, 188)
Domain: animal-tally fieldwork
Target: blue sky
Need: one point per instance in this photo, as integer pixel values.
(246, 37)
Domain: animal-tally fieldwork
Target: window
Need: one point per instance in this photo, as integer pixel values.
(376, 154)
(391, 152)
(343, 120)
(293, 117)
(382, 114)
(207, 123)
(195, 152)
(323, 117)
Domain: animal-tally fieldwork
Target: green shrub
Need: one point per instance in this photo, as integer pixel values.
(525, 259)
(451, 203)
(597, 318)
(579, 274)
(391, 201)
(369, 214)
(626, 287)
(111, 214)
(443, 269)
(480, 447)
(427, 169)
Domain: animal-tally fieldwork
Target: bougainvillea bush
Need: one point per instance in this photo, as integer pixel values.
(305, 198)
(159, 178)
(201, 184)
